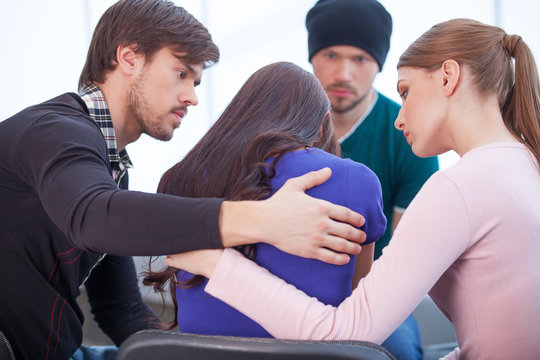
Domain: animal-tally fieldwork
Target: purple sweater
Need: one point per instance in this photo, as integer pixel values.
(352, 185)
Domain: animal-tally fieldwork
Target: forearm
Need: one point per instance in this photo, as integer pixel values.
(285, 311)
(238, 223)
(140, 224)
(115, 299)
(371, 313)
(417, 256)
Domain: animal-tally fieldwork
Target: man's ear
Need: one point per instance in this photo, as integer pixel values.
(127, 58)
(451, 72)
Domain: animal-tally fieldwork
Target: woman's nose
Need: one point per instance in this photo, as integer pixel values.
(400, 121)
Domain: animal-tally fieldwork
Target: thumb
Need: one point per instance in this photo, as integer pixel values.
(311, 179)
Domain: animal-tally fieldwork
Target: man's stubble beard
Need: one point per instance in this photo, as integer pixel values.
(139, 109)
(347, 108)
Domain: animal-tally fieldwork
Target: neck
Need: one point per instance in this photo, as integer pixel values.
(344, 121)
(479, 123)
(126, 129)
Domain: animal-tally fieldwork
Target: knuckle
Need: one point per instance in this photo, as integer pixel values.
(318, 238)
(322, 207)
(292, 181)
(322, 226)
(344, 246)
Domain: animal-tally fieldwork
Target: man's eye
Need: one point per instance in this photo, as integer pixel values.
(181, 74)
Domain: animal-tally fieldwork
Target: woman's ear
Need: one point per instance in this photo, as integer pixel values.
(451, 72)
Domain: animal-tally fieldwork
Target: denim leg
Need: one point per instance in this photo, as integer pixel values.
(404, 343)
(95, 353)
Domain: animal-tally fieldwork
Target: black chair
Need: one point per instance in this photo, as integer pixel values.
(6, 352)
(167, 345)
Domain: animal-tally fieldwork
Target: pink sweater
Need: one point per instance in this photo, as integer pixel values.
(471, 238)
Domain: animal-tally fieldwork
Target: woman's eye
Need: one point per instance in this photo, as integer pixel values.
(181, 74)
(403, 94)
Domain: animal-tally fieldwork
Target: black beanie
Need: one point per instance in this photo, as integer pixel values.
(362, 23)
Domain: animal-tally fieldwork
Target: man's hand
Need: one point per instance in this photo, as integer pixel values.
(295, 222)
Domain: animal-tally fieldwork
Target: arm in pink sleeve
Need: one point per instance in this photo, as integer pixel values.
(432, 234)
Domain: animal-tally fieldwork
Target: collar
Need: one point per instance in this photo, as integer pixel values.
(99, 112)
(361, 120)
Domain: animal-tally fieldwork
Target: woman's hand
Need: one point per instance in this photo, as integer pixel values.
(199, 262)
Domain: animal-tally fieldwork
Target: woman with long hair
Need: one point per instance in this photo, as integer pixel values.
(470, 237)
(277, 127)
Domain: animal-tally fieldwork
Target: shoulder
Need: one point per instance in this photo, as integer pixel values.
(65, 113)
(63, 119)
(384, 102)
(339, 166)
(382, 116)
(67, 109)
(348, 175)
(490, 165)
(359, 171)
(60, 123)
(300, 162)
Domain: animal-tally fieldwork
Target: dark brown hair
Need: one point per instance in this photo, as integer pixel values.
(279, 109)
(487, 51)
(150, 25)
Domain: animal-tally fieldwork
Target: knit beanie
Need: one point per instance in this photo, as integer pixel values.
(362, 23)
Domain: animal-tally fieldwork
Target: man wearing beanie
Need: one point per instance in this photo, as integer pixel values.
(348, 41)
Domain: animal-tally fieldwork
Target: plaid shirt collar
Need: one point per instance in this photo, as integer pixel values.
(99, 111)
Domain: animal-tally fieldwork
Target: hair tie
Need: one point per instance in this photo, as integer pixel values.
(510, 43)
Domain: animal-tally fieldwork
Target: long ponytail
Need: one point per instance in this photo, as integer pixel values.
(521, 113)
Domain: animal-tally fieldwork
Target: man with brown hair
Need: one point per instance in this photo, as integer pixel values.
(65, 219)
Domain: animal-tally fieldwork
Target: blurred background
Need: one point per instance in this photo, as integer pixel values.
(44, 43)
(43, 47)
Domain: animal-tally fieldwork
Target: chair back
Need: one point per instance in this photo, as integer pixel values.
(161, 345)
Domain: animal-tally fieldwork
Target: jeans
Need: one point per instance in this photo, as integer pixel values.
(404, 343)
(95, 353)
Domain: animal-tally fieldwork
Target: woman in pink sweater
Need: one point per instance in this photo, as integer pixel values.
(470, 238)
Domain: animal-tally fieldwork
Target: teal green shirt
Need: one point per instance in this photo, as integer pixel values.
(380, 146)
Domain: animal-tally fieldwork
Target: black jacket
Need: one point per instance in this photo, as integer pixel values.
(59, 211)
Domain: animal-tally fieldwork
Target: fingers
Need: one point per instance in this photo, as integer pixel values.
(347, 232)
(337, 244)
(333, 250)
(332, 257)
(345, 215)
(309, 180)
(343, 222)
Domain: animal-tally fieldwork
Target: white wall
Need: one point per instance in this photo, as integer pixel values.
(43, 46)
